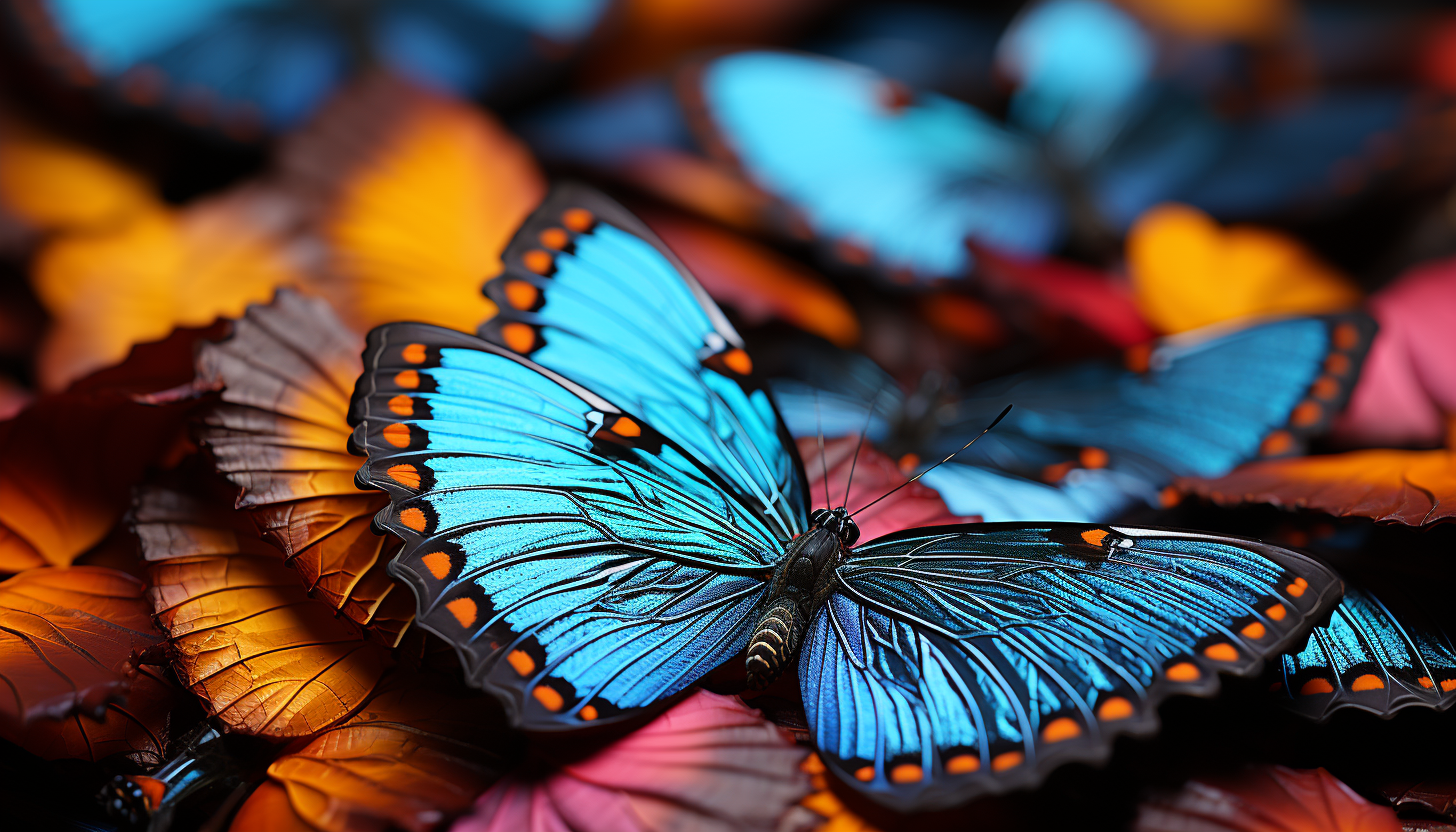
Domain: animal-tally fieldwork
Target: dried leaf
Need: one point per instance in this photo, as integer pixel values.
(874, 475)
(1411, 487)
(1266, 799)
(139, 728)
(709, 763)
(281, 435)
(1188, 272)
(67, 640)
(756, 281)
(413, 756)
(1435, 796)
(417, 196)
(267, 810)
(246, 639)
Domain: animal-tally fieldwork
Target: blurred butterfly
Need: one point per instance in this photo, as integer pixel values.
(600, 505)
(898, 180)
(242, 65)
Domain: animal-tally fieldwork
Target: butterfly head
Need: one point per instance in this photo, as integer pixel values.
(838, 522)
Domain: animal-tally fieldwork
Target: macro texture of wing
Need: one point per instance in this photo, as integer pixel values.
(1197, 404)
(582, 563)
(1377, 654)
(884, 180)
(589, 292)
(963, 660)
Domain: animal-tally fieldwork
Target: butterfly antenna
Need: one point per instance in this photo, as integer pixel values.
(855, 460)
(823, 460)
(993, 424)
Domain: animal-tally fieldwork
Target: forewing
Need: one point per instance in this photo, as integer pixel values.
(582, 563)
(957, 661)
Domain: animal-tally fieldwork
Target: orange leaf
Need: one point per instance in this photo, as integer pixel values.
(1266, 799)
(1188, 272)
(67, 638)
(138, 728)
(419, 196)
(267, 810)
(758, 282)
(1252, 20)
(66, 465)
(1411, 487)
(413, 756)
(246, 639)
(281, 435)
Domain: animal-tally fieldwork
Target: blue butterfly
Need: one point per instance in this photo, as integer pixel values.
(900, 181)
(600, 505)
(275, 61)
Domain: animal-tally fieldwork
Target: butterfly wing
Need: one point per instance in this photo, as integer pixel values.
(1377, 653)
(583, 564)
(963, 660)
(589, 292)
(214, 61)
(881, 179)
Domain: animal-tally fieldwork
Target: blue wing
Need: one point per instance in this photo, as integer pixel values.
(582, 563)
(881, 179)
(963, 660)
(1377, 654)
(214, 60)
(589, 292)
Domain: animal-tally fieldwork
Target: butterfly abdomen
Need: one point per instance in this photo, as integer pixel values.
(775, 642)
(799, 586)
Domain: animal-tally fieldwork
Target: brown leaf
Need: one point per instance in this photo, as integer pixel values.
(1266, 798)
(246, 639)
(67, 638)
(280, 434)
(413, 756)
(138, 728)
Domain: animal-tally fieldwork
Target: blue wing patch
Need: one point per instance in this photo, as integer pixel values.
(1377, 655)
(879, 177)
(582, 564)
(589, 292)
(964, 660)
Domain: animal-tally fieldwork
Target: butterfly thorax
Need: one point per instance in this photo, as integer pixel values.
(800, 584)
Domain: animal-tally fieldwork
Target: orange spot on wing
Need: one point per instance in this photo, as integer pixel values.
(521, 294)
(554, 238)
(1278, 442)
(1183, 672)
(579, 220)
(397, 434)
(1298, 587)
(1448, 684)
(908, 463)
(1325, 388)
(1138, 358)
(1061, 729)
(738, 361)
(538, 261)
(521, 662)
(1094, 536)
(1170, 497)
(1337, 365)
(464, 610)
(1222, 652)
(1053, 473)
(1306, 414)
(548, 697)
(414, 353)
(438, 563)
(1115, 708)
(1316, 686)
(626, 427)
(413, 518)
(865, 774)
(518, 336)
(1254, 630)
(1368, 681)
(407, 378)
(406, 475)
(906, 773)
(1007, 759)
(588, 713)
(1426, 682)
(1276, 612)
(402, 405)
(1346, 336)
(1093, 458)
(963, 764)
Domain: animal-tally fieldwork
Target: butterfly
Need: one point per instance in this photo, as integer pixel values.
(242, 65)
(897, 180)
(600, 504)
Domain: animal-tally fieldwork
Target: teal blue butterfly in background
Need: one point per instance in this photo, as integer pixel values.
(600, 504)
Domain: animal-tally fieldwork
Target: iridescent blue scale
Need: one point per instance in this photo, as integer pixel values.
(597, 498)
